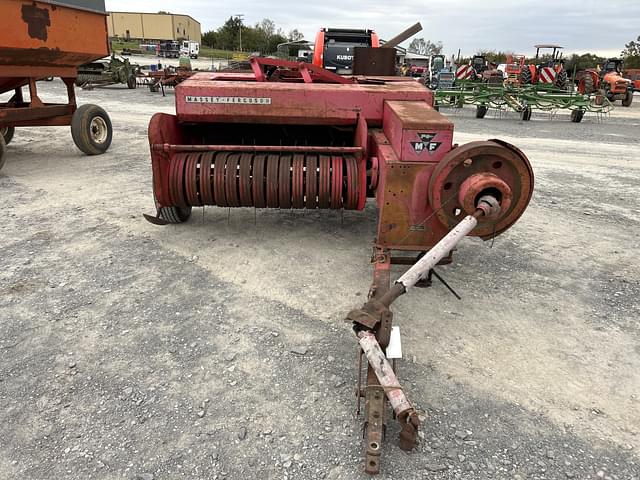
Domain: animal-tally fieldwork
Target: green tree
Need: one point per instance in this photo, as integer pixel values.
(425, 47)
(295, 35)
(631, 54)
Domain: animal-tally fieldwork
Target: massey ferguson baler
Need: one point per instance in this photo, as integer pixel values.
(292, 135)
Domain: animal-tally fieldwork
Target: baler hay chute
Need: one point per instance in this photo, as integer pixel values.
(292, 135)
(41, 39)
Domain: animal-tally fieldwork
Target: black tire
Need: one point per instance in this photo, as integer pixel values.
(175, 214)
(525, 76)
(576, 115)
(628, 99)
(132, 82)
(436, 108)
(91, 129)
(481, 111)
(587, 81)
(561, 79)
(7, 134)
(526, 114)
(3, 151)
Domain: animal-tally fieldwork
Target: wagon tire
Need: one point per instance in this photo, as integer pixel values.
(91, 129)
(3, 151)
(7, 134)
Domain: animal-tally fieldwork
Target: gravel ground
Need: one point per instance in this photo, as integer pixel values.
(218, 350)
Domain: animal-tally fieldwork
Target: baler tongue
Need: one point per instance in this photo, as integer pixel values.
(291, 135)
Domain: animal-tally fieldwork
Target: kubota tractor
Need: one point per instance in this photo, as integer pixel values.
(550, 72)
(608, 80)
(334, 47)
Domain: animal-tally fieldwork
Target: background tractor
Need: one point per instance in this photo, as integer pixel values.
(513, 68)
(607, 80)
(548, 72)
(633, 74)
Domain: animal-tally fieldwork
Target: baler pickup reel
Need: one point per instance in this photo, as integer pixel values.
(287, 135)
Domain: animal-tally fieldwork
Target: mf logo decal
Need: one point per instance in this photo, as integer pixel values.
(426, 143)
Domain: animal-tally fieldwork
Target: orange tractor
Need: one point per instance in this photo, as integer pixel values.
(633, 74)
(607, 80)
(550, 72)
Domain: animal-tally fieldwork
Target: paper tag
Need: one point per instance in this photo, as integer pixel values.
(394, 350)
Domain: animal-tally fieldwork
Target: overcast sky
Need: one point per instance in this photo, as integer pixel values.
(596, 26)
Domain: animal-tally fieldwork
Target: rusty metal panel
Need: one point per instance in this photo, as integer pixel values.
(199, 99)
(42, 34)
(374, 61)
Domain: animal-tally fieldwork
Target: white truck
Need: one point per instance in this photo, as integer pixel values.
(190, 48)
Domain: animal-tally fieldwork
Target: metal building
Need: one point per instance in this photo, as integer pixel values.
(153, 26)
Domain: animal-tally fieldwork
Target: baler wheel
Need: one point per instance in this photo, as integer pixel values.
(3, 150)
(91, 129)
(175, 214)
(7, 134)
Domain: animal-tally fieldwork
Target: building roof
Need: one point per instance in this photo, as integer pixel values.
(156, 13)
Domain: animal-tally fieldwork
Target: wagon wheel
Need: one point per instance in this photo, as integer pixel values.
(7, 134)
(3, 149)
(91, 129)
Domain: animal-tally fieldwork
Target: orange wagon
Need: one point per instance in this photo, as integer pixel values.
(44, 39)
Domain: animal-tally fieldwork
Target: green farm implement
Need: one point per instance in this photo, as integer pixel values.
(522, 99)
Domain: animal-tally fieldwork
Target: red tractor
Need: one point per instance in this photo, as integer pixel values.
(633, 74)
(513, 68)
(550, 72)
(607, 80)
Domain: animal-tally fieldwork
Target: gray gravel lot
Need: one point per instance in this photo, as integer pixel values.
(218, 350)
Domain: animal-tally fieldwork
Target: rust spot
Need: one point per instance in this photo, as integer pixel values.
(37, 19)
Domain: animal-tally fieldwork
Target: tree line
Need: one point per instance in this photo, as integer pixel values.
(263, 37)
(630, 55)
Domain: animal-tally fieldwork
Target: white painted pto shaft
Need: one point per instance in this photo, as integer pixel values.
(438, 252)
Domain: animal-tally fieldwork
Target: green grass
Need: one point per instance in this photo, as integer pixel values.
(117, 47)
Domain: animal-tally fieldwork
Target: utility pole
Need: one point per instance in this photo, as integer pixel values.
(240, 16)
